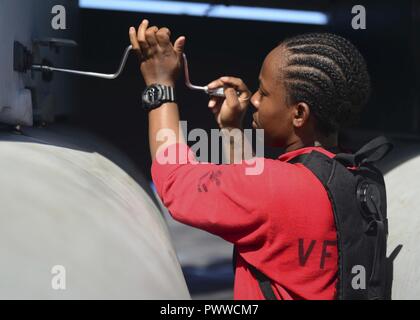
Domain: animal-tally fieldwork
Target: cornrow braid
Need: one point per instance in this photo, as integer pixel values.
(329, 74)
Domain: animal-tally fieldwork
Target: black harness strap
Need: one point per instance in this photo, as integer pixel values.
(264, 281)
(299, 159)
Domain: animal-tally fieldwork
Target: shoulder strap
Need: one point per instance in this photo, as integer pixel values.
(299, 159)
(264, 281)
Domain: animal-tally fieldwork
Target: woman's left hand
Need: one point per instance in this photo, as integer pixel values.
(229, 112)
(160, 61)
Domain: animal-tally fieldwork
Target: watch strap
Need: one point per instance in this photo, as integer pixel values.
(168, 94)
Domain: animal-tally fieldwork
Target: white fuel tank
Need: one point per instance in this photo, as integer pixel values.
(74, 225)
(403, 194)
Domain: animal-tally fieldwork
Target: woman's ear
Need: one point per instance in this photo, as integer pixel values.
(301, 114)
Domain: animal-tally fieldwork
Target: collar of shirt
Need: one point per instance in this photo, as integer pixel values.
(290, 155)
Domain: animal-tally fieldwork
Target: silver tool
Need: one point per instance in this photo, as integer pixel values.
(219, 92)
(112, 76)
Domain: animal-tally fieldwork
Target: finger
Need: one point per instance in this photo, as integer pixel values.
(151, 36)
(239, 85)
(180, 45)
(141, 35)
(216, 110)
(231, 97)
(215, 102)
(234, 82)
(163, 37)
(133, 39)
(215, 84)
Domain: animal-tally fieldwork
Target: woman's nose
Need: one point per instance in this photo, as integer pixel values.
(255, 101)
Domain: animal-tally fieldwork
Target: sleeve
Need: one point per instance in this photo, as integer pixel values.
(220, 199)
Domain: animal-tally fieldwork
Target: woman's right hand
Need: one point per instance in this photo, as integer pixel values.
(230, 111)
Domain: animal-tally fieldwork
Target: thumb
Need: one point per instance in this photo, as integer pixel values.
(179, 45)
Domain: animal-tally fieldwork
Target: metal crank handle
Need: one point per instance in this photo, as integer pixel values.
(111, 76)
(219, 92)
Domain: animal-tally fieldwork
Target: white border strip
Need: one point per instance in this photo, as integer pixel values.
(208, 10)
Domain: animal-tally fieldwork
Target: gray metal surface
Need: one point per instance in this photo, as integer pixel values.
(24, 96)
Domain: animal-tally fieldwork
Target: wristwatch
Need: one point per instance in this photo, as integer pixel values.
(156, 95)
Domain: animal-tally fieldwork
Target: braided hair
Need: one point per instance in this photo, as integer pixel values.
(329, 74)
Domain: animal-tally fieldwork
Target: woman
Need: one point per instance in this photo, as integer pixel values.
(281, 220)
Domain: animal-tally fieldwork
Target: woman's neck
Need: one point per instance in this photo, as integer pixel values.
(320, 141)
(327, 142)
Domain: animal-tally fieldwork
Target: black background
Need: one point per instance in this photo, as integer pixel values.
(217, 47)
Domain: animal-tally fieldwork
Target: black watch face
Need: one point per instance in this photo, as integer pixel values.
(152, 96)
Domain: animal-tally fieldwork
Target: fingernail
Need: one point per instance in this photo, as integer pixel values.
(224, 78)
(212, 104)
(132, 29)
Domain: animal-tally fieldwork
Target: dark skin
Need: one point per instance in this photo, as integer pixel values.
(287, 126)
(160, 62)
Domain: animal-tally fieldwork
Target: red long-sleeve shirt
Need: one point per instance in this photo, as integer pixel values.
(280, 220)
